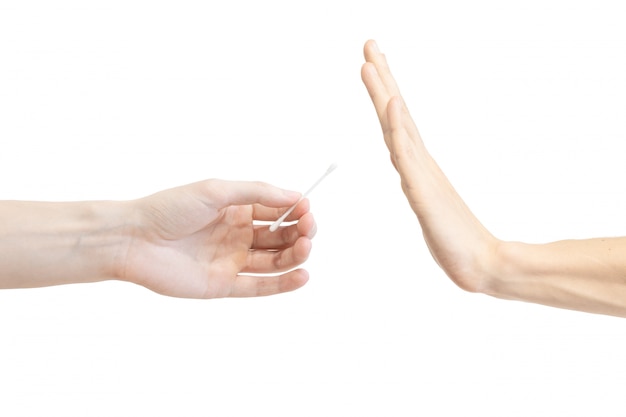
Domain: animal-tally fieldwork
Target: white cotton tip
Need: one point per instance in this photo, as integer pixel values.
(274, 226)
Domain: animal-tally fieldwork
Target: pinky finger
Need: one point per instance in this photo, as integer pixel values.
(259, 286)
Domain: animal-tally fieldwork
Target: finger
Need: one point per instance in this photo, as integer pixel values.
(284, 236)
(404, 148)
(271, 261)
(377, 91)
(399, 120)
(250, 286)
(393, 161)
(399, 140)
(222, 193)
(378, 94)
(264, 213)
(373, 55)
(370, 49)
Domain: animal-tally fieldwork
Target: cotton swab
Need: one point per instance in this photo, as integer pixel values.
(282, 218)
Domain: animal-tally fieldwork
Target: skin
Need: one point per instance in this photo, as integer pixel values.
(585, 275)
(200, 240)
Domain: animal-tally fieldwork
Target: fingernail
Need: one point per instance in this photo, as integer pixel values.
(292, 195)
(375, 47)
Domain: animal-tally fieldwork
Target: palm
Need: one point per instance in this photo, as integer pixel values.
(202, 264)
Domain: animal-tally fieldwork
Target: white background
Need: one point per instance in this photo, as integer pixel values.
(521, 103)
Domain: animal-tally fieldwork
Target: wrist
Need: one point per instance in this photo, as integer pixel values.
(106, 238)
(508, 275)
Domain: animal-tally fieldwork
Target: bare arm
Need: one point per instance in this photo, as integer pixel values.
(586, 275)
(200, 241)
(44, 243)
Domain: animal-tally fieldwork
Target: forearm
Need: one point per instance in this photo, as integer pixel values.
(45, 243)
(585, 275)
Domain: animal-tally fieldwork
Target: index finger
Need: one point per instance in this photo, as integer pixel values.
(223, 193)
(377, 91)
(264, 213)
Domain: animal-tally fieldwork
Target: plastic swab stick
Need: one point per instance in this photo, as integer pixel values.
(282, 218)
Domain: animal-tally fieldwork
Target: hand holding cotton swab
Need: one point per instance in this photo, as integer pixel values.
(282, 218)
